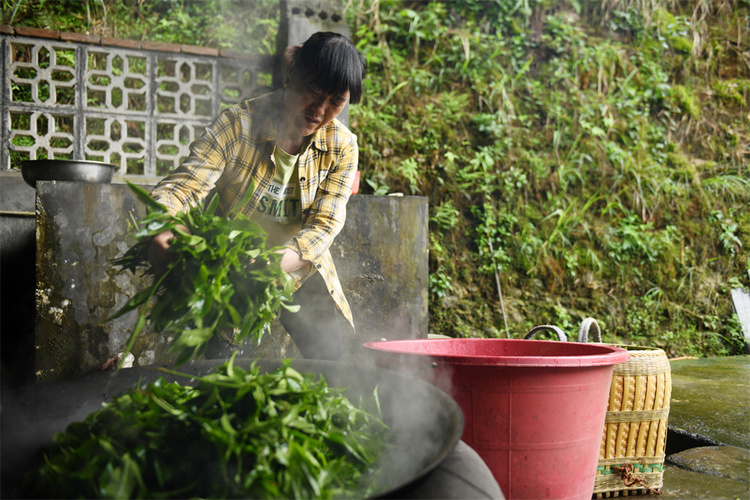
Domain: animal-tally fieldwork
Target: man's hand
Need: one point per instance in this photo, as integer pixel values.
(291, 261)
(158, 252)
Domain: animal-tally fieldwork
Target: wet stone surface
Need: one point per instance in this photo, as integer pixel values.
(721, 461)
(711, 400)
(681, 483)
(708, 448)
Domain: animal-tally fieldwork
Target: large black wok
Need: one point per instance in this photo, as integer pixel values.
(424, 422)
(67, 170)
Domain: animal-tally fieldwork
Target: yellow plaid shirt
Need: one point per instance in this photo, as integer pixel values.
(236, 152)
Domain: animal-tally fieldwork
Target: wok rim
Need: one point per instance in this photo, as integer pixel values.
(44, 170)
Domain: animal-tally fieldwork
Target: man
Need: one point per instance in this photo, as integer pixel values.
(300, 161)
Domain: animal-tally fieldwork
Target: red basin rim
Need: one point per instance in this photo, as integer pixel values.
(505, 352)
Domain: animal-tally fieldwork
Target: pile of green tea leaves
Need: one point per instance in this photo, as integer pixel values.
(222, 279)
(236, 434)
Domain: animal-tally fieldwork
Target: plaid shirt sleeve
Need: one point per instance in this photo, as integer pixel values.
(194, 179)
(326, 178)
(326, 174)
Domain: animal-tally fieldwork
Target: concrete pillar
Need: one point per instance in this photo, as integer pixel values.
(17, 281)
(300, 19)
(381, 257)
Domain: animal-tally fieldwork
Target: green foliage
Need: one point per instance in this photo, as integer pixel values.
(727, 230)
(492, 232)
(633, 242)
(686, 102)
(599, 149)
(222, 280)
(245, 26)
(733, 91)
(444, 220)
(237, 434)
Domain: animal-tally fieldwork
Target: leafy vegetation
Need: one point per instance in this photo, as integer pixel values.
(221, 282)
(242, 25)
(586, 151)
(594, 154)
(237, 434)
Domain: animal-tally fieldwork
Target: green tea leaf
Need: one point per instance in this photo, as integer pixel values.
(222, 277)
(146, 199)
(236, 434)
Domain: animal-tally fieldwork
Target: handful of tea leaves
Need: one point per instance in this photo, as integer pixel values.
(222, 278)
(237, 434)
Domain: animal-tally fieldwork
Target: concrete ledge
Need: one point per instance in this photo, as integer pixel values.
(15, 194)
(381, 257)
(124, 43)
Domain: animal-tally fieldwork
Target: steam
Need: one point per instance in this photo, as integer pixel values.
(433, 422)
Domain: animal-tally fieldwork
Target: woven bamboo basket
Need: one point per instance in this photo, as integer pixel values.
(631, 460)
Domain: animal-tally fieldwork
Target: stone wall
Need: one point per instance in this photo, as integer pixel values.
(17, 279)
(381, 256)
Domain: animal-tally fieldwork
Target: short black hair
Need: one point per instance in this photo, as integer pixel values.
(331, 62)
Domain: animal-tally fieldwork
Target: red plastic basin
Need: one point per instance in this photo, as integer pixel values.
(534, 409)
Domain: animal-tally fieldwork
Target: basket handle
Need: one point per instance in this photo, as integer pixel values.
(589, 325)
(560, 334)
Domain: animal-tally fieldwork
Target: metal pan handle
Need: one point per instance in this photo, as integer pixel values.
(560, 334)
(589, 325)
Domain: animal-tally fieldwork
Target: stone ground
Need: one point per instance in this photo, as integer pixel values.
(708, 445)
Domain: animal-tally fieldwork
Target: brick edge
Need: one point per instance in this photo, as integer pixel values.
(65, 36)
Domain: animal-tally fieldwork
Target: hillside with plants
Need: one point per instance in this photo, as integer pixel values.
(596, 155)
(581, 158)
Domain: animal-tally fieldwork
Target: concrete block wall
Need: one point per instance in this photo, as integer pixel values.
(381, 256)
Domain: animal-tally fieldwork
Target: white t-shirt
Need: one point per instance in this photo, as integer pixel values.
(279, 211)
